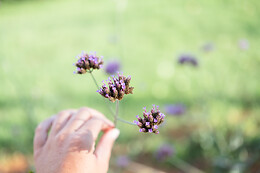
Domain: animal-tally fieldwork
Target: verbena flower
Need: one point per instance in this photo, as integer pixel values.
(112, 67)
(164, 152)
(122, 161)
(116, 88)
(88, 62)
(188, 59)
(243, 44)
(208, 47)
(150, 121)
(175, 109)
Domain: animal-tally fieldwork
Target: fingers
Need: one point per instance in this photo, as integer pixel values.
(95, 113)
(41, 132)
(82, 116)
(77, 120)
(104, 148)
(61, 120)
(94, 125)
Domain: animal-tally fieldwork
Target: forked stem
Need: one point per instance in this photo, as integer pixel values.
(117, 106)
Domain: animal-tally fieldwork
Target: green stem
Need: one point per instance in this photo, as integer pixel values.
(116, 114)
(94, 79)
(124, 121)
(184, 166)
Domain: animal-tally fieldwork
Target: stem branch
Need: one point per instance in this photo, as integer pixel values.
(124, 121)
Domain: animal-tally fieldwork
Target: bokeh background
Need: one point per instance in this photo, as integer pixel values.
(199, 60)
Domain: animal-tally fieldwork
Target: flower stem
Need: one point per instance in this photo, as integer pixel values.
(184, 166)
(94, 79)
(124, 121)
(116, 114)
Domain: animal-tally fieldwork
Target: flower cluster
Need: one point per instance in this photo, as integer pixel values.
(151, 120)
(116, 88)
(88, 62)
(188, 59)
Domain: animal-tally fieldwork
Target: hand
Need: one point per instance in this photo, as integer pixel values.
(70, 145)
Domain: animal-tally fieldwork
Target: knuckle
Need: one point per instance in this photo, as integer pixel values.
(60, 139)
(85, 109)
(62, 113)
(38, 128)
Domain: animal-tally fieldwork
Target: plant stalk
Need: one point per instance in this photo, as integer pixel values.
(116, 114)
(94, 79)
(184, 166)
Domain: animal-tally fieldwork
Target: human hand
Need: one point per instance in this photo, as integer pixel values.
(70, 145)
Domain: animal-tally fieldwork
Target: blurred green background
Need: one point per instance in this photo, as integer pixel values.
(219, 131)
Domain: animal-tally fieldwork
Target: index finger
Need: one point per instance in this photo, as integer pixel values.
(82, 116)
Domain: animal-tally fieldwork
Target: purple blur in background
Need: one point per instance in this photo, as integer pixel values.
(164, 152)
(122, 161)
(112, 67)
(188, 59)
(175, 109)
(243, 44)
(208, 47)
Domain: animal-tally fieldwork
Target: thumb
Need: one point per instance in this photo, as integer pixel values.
(105, 145)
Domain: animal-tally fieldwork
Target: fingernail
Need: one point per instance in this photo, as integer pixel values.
(115, 133)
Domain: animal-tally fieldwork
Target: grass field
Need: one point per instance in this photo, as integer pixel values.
(219, 131)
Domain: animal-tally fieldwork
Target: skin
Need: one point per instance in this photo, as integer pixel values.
(65, 143)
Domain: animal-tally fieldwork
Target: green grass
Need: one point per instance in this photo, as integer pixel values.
(39, 40)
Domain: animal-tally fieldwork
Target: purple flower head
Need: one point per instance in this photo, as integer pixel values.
(164, 152)
(151, 120)
(243, 44)
(88, 62)
(188, 59)
(116, 88)
(112, 67)
(122, 161)
(175, 109)
(208, 47)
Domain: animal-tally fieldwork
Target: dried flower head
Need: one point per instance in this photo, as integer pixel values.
(164, 152)
(188, 59)
(112, 67)
(116, 88)
(88, 62)
(150, 121)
